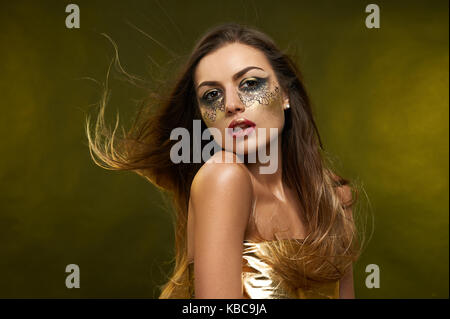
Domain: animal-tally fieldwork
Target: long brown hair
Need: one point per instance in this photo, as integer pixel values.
(145, 149)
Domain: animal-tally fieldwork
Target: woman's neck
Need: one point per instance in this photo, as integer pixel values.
(273, 181)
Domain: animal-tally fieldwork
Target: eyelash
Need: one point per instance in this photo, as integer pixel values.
(259, 83)
(205, 96)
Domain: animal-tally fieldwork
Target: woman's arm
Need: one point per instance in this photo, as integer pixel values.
(346, 290)
(221, 196)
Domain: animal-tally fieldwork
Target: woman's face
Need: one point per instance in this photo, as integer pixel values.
(239, 95)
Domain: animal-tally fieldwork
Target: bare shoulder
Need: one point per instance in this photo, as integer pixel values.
(344, 192)
(220, 177)
(221, 200)
(219, 183)
(343, 189)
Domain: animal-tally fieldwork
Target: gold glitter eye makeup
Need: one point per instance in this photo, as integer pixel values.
(211, 102)
(257, 89)
(210, 95)
(252, 84)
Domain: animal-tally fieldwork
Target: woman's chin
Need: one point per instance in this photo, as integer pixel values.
(248, 146)
(244, 149)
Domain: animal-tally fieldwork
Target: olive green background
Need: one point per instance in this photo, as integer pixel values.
(380, 98)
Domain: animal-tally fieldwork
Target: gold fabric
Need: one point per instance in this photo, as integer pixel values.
(278, 269)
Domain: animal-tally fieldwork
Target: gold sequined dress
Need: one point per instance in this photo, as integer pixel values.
(278, 269)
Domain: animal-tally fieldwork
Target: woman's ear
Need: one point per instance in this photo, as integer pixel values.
(285, 102)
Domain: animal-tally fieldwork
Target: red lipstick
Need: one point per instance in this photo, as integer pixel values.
(241, 127)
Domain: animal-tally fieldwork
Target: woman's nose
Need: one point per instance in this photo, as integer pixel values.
(233, 103)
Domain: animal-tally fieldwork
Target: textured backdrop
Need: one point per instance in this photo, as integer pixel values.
(380, 97)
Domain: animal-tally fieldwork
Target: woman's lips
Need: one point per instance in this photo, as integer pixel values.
(241, 127)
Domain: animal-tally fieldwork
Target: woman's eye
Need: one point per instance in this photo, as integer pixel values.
(251, 84)
(210, 96)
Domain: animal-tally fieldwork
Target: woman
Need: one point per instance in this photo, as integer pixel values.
(240, 232)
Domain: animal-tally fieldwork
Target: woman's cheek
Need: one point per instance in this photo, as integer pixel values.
(261, 98)
(213, 111)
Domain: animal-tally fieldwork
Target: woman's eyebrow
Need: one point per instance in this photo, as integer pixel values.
(245, 70)
(235, 76)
